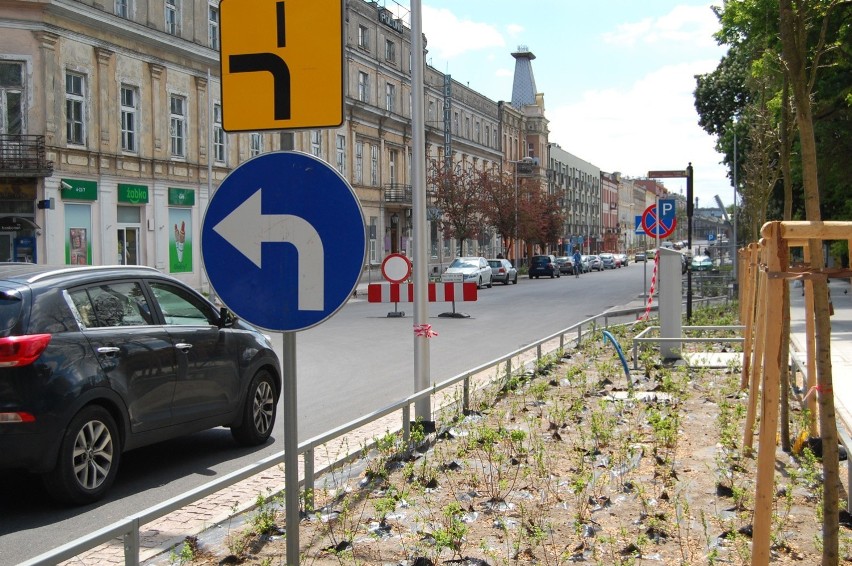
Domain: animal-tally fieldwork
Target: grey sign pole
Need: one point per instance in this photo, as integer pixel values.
(422, 407)
(291, 447)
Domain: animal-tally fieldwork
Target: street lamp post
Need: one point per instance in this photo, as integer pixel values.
(734, 212)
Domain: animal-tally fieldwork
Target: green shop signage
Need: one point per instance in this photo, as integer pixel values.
(74, 189)
(134, 194)
(181, 197)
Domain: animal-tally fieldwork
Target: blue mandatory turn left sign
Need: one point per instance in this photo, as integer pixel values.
(283, 241)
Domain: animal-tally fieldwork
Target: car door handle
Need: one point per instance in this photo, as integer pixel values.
(183, 346)
(108, 350)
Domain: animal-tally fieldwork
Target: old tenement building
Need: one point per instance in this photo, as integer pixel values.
(111, 137)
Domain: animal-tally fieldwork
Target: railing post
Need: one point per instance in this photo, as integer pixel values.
(131, 545)
(309, 480)
(466, 395)
(538, 353)
(406, 424)
(579, 334)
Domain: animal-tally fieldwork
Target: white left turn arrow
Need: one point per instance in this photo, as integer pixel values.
(246, 228)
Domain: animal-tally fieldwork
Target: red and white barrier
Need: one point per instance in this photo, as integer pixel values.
(651, 291)
(438, 292)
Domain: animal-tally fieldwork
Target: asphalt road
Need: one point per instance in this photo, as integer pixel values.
(357, 361)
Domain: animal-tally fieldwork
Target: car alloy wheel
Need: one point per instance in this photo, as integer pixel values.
(88, 457)
(262, 408)
(258, 413)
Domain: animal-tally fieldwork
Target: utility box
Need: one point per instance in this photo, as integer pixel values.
(670, 301)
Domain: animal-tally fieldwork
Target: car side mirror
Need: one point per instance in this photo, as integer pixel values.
(226, 318)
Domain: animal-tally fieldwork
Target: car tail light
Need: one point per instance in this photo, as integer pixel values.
(22, 350)
(20, 417)
(501, 270)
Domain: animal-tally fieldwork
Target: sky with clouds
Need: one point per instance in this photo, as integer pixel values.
(617, 75)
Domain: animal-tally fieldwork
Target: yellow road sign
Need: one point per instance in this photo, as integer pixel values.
(281, 64)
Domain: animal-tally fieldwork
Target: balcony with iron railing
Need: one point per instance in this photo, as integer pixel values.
(23, 156)
(398, 193)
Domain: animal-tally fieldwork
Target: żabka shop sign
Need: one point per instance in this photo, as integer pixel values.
(134, 194)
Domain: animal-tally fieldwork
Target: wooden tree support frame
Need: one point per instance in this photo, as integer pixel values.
(764, 267)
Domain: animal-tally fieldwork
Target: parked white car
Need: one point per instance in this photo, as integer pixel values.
(469, 270)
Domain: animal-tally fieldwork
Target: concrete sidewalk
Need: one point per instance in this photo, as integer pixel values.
(841, 340)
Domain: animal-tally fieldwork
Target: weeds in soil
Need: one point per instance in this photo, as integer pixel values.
(544, 468)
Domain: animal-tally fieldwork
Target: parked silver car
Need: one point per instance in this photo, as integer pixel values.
(502, 271)
(595, 263)
(469, 270)
(608, 261)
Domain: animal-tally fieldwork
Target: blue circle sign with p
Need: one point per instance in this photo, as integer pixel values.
(283, 241)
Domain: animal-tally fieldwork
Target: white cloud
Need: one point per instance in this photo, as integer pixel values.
(651, 125)
(449, 36)
(684, 25)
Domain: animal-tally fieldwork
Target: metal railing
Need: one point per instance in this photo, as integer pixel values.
(24, 156)
(129, 527)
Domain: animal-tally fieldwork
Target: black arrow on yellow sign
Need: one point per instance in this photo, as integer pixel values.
(272, 63)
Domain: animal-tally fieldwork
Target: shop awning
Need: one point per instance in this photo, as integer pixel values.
(17, 223)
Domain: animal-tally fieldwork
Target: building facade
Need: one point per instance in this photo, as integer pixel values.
(112, 139)
(579, 184)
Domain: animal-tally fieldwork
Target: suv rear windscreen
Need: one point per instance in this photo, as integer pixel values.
(540, 260)
(11, 303)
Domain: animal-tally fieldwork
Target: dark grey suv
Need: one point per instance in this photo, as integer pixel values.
(95, 361)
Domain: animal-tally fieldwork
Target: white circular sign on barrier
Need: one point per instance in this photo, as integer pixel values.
(396, 268)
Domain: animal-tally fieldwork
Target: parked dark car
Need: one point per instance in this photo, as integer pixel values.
(502, 271)
(96, 361)
(543, 266)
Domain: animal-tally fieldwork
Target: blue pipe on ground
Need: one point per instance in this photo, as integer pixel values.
(607, 334)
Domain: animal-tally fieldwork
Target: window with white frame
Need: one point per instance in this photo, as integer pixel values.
(341, 154)
(11, 97)
(122, 8)
(177, 125)
(455, 123)
(374, 165)
(477, 131)
(213, 26)
(255, 144)
(172, 11)
(219, 150)
(75, 108)
(129, 107)
(363, 87)
(390, 96)
(316, 142)
(467, 127)
(431, 115)
(359, 162)
(363, 37)
(390, 51)
(488, 135)
(392, 154)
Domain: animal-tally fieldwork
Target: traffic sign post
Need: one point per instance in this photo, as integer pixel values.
(264, 243)
(687, 173)
(267, 235)
(659, 225)
(396, 268)
(281, 64)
